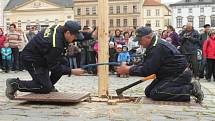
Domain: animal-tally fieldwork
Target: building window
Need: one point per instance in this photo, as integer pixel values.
(179, 10)
(117, 9)
(111, 22)
(157, 23)
(19, 23)
(200, 0)
(148, 13)
(87, 11)
(47, 21)
(125, 22)
(134, 8)
(69, 17)
(179, 22)
(167, 22)
(87, 23)
(157, 12)
(111, 10)
(118, 22)
(148, 22)
(93, 22)
(125, 9)
(190, 10)
(213, 9)
(79, 11)
(134, 22)
(28, 22)
(201, 10)
(56, 21)
(190, 19)
(201, 21)
(94, 10)
(187, 1)
(212, 21)
(8, 25)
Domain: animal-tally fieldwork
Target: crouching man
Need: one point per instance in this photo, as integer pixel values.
(173, 77)
(44, 55)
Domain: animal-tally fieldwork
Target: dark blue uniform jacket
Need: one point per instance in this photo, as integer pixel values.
(162, 59)
(47, 49)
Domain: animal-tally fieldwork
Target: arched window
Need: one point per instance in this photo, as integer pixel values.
(213, 21)
(201, 21)
(179, 20)
(190, 19)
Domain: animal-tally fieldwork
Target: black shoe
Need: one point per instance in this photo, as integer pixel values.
(209, 80)
(197, 92)
(12, 87)
(54, 90)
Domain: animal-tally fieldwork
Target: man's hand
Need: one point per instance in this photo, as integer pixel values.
(123, 69)
(77, 72)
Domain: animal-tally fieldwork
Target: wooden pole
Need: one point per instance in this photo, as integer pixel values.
(103, 47)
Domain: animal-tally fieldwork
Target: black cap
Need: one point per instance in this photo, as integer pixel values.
(74, 27)
(142, 31)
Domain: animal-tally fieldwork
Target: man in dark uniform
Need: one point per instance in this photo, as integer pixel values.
(44, 54)
(173, 78)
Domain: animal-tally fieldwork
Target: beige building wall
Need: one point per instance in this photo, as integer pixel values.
(41, 16)
(123, 14)
(158, 16)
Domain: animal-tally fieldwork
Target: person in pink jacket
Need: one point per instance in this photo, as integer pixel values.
(2, 40)
(209, 55)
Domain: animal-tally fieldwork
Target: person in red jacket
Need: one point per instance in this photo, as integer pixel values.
(2, 40)
(209, 54)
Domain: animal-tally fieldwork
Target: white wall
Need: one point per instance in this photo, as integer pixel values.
(196, 13)
(3, 3)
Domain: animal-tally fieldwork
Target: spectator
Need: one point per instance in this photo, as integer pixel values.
(72, 55)
(22, 44)
(31, 33)
(209, 54)
(124, 55)
(117, 39)
(204, 36)
(164, 34)
(189, 40)
(2, 40)
(14, 39)
(112, 53)
(172, 37)
(6, 57)
(126, 37)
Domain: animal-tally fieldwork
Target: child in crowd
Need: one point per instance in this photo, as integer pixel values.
(112, 53)
(6, 57)
(124, 57)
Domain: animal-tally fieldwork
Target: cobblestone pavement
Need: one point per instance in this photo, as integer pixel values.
(19, 111)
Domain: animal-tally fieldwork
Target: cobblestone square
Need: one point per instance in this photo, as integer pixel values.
(22, 111)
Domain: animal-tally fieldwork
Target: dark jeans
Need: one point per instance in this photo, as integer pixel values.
(175, 89)
(211, 68)
(15, 53)
(72, 62)
(42, 82)
(203, 68)
(6, 65)
(1, 61)
(21, 66)
(192, 60)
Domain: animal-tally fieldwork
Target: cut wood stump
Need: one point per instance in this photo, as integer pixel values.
(55, 97)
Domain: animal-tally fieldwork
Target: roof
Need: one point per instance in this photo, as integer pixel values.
(14, 3)
(151, 3)
(193, 2)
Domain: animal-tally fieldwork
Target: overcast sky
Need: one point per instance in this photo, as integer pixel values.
(169, 1)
